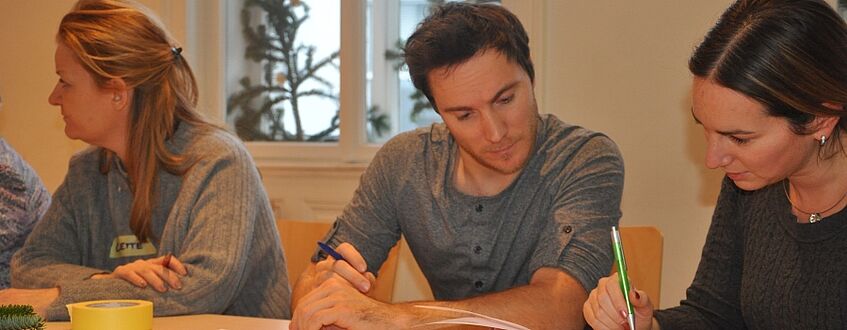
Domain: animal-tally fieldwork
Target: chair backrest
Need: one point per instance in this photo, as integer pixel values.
(299, 240)
(643, 253)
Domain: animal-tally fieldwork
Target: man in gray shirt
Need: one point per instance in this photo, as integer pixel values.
(506, 211)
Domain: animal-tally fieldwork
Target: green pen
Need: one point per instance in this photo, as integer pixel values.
(623, 278)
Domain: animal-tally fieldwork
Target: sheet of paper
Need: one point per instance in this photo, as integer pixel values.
(471, 319)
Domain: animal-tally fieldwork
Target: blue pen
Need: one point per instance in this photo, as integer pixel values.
(330, 251)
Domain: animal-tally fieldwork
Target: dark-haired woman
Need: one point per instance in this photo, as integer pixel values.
(770, 85)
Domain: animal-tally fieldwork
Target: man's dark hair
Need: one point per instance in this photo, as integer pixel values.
(457, 31)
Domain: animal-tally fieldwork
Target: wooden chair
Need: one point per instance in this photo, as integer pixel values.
(299, 240)
(643, 253)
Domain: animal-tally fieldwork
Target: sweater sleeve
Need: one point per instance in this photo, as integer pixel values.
(712, 301)
(216, 210)
(52, 252)
(23, 201)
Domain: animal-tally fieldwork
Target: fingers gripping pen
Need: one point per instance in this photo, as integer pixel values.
(623, 278)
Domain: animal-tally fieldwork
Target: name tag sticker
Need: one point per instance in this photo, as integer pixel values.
(129, 246)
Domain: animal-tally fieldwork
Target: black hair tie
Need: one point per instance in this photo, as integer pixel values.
(177, 51)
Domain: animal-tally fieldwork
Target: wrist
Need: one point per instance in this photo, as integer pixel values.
(98, 276)
(401, 316)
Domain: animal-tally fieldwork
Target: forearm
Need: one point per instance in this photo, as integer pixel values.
(533, 306)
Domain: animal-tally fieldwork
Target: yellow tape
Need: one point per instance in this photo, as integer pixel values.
(111, 314)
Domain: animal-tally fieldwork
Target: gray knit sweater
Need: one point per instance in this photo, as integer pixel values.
(216, 219)
(23, 200)
(762, 270)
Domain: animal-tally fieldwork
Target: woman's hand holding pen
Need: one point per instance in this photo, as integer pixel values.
(606, 307)
(352, 269)
(160, 273)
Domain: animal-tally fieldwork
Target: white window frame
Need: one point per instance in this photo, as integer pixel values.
(205, 30)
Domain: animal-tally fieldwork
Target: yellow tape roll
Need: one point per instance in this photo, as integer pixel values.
(111, 314)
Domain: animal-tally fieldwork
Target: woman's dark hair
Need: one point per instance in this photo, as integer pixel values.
(457, 31)
(789, 55)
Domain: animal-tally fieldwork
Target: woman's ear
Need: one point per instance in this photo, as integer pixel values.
(121, 94)
(824, 125)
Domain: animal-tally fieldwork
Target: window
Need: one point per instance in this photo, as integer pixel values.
(331, 88)
(363, 76)
(291, 93)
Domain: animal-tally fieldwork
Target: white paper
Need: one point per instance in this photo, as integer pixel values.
(473, 319)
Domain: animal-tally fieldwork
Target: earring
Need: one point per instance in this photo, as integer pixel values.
(117, 98)
(823, 140)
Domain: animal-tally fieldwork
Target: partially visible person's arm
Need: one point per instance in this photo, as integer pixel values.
(23, 201)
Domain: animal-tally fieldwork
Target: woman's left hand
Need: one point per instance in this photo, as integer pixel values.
(153, 272)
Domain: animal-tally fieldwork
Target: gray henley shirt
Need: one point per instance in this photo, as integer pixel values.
(557, 213)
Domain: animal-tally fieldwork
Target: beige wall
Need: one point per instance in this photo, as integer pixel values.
(27, 122)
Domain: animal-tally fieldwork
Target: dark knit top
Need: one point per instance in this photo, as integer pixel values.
(760, 269)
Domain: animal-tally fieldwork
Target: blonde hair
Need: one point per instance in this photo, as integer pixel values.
(120, 39)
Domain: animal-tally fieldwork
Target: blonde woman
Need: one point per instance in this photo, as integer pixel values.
(164, 206)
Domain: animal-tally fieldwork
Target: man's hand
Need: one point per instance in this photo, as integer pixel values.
(352, 270)
(151, 272)
(336, 303)
(39, 299)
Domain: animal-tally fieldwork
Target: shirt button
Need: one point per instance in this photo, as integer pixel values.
(567, 229)
(478, 284)
(479, 208)
(477, 249)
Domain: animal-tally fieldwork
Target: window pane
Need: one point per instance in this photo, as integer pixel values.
(289, 90)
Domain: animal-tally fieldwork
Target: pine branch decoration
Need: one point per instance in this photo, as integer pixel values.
(288, 66)
(19, 317)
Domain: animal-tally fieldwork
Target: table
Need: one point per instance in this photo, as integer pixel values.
(202, 322)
